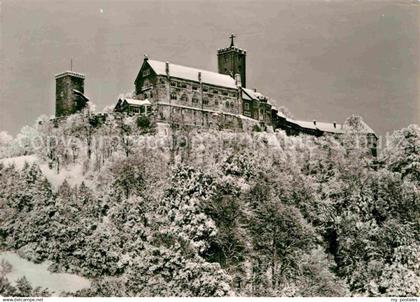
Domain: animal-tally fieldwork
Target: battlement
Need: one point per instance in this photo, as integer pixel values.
(231, 49)
(69, 73)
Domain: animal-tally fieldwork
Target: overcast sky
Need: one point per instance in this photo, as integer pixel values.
(322, 59)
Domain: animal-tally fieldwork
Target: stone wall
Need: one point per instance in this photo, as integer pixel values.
(65, 97)
(195, 117)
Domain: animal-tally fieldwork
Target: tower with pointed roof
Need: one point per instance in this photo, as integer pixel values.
(232, 61)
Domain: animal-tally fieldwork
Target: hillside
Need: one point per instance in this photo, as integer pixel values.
(145, 210)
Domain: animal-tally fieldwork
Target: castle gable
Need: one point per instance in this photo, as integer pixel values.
(143, 72)
(252, 94)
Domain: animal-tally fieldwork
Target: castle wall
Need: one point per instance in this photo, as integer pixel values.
(195, 117)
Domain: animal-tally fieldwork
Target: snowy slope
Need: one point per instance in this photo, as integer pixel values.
(73, 174)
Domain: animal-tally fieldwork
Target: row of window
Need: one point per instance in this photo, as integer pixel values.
(195, 99)
(141, 109)
(247, 106)
(195, 87)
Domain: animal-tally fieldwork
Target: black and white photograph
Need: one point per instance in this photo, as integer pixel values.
(209, 148)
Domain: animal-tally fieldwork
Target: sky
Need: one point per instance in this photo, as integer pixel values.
(322, 59)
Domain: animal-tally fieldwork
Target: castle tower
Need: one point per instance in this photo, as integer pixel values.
(232, 60)
(69, 86)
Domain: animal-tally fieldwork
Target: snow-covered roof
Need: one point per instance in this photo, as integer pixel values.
(322, 126)
(367, 128)
(253, 94)
(280, 114)
(137, 102)
(303, 124)
(190, 73)
(245, 96)
(81, 95)
(71, 73)
(329, 127)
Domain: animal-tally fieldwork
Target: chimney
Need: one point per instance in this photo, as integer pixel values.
(199, 76)
(335, 124)
(255, 89)
(146, 57)
(315, 122)
(238, 80)
(167, 68)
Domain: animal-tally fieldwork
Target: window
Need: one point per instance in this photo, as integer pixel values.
(205, 88)
(246, 106)
(216, 101)
(146, 84)
(215, 91)
(173, 96)
(225, 93)
(184, 98)
(205, 100)
(195, 98)
(195, 87)
(146, 73)
(173, 83)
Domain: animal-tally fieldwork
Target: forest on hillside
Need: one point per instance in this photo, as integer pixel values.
(203, 212)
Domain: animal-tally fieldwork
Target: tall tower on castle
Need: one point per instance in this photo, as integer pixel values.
(232, 61)
(69, 86)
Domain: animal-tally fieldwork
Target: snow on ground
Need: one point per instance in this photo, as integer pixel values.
(38, 275)
(73, 174)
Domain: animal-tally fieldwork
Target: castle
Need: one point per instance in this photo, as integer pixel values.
(186, 96)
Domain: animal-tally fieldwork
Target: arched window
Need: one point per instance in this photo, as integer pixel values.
(184, 97)
(205, 100)
(195, 98)
(173, 96)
